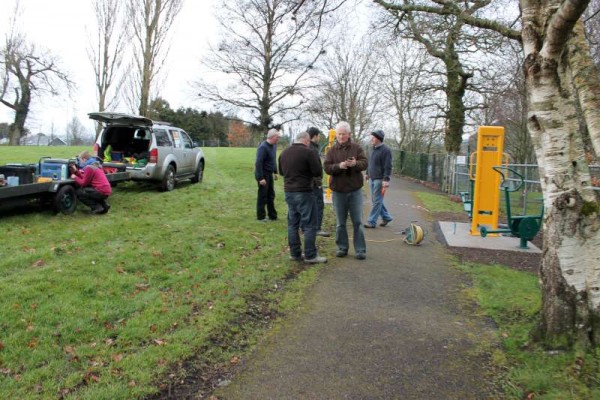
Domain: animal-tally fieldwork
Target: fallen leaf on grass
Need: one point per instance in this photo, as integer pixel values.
(5, 371)
(159, 342)
(91, 377)
(142, 286)
(117, 357)
(39, 263)
(131, 384)
(120, 270)
(234, 360)
(69, 350)
(33, 343)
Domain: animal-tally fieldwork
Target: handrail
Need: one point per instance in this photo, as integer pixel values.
(502, 185)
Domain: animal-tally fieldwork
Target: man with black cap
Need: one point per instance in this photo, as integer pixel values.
(378, 175)
(315, 137)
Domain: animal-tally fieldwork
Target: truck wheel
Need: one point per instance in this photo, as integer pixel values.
(65, 200)
(199, 174)
(168, 182)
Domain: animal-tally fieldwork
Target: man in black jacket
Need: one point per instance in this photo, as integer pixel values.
(265, 170)
(378, 174)
(315, 137)
(299, 166)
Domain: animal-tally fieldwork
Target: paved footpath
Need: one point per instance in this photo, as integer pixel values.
(389, 327)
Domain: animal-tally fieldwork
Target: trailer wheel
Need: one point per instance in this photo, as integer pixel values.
(65, 200)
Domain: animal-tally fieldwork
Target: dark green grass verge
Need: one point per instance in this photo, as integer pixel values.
(513, 300)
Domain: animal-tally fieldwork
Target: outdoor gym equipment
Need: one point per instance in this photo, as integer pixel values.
(525, 227)
(485, 201)
(328, 145)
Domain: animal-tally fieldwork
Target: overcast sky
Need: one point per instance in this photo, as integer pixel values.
(62, 26)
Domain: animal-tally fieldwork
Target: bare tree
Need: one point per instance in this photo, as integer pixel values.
(76, 132)
(559, 75)
(347, 90)
(267, 51)
(106, 53)
(451, 41)
(408, 91)
(26, 72)
(507, 106)
(150, 22)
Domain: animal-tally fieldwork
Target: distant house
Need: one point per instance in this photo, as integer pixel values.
(57, 142)
(39, 139)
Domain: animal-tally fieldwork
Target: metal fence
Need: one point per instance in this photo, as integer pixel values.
(451, 174)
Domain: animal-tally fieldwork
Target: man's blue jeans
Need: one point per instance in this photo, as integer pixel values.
(320, 204)
(301, 212)
(377, 207)
(344, 204)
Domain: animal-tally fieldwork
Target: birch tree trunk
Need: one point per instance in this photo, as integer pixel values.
(570, 270)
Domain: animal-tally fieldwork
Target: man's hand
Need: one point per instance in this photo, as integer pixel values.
(351, 162)
(262, 182)
(385, 184)
(343, 165)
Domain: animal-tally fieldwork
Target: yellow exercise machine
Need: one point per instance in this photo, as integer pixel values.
(330, 143)
(486, 195)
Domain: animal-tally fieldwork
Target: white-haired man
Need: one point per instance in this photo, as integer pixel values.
(344, 163)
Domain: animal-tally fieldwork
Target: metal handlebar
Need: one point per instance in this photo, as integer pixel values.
(499, 169)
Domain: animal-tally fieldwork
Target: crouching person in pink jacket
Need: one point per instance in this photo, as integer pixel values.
(93, 187)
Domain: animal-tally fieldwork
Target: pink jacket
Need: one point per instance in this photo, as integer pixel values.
(94, 177)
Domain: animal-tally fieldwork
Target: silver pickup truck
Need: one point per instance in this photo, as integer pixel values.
(152, 151)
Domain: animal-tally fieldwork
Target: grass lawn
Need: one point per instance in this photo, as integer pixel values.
(513, 300)
(101, 307)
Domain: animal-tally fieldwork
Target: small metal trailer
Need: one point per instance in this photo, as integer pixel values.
(58, 195)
